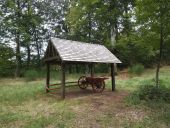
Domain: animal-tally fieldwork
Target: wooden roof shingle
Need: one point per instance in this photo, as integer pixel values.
(75, 51)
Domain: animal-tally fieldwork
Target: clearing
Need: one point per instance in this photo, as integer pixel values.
(26, 105)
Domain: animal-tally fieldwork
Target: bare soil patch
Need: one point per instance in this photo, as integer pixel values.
(107, 107)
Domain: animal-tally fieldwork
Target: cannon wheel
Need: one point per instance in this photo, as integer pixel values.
(98, 87)
(82, 82)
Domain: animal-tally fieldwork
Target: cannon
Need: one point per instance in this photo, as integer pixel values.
(97, 83)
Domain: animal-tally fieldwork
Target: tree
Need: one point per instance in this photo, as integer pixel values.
(12, 18)
(30, 23)
(154, 17)
(6, 60)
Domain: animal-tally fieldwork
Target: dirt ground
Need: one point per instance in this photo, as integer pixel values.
(100, 110)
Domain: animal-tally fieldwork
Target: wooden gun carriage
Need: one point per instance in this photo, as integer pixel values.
(97, 83)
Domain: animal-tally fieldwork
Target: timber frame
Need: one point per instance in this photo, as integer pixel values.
(61, 53)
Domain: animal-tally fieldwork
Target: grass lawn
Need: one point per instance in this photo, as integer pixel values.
(25, 104)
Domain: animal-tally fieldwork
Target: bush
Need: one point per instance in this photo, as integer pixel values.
(148, 93)
(136, 69)
(151, 92)
(31, 75)
(7, 70)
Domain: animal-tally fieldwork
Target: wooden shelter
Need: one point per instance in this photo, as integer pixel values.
(63, 52)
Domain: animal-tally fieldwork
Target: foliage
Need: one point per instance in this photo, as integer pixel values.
(149, 93)
(29, 24)
(31, 75)
(154, 16)
(6, 61)
(129, 28)
(134, 49)
(136, 69)
(166, 116)
(93, 21)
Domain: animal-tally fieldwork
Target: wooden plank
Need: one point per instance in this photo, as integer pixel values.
(53, 62)
(68, 86)
(71, 85)
(113, 77)
(70, 82)
(65, 83)
(48, 77)
(51, 58)
(52, 88)
(63, 80)
(54, 84)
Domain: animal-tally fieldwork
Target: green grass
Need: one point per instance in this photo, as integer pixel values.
(24, 104)
(133, 82)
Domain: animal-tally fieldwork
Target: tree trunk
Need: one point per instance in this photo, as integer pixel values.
(28, 55)
(126, 21)
(38, 55)
(160, 48)
(17, 39)
(38, 49)
(113, 29)
(90, 27)
(18, 55)
(116, 31)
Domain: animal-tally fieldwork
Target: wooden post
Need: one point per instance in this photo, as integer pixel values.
(91, 70)
(113, 77)
(63, 80)
(48, 77)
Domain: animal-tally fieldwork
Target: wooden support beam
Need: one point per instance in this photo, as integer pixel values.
(48, 77)
(63, 80)
(113, 77)
(52, 88)
(51, 58)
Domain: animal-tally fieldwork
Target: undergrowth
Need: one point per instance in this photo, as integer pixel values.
(137, 69)
(150, 92)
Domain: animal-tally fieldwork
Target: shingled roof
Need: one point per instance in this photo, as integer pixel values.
(75, 51)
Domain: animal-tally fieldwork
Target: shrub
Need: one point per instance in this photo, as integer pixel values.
(148, 93)
(151, 92)
(31, 75)
(166, 116)
(136, 69)
(7, 70)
